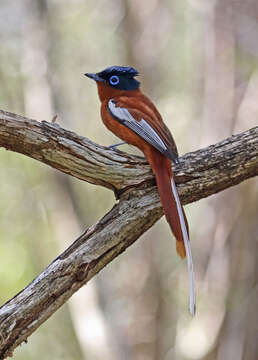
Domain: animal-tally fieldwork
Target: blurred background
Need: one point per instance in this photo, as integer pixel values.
(198, 62)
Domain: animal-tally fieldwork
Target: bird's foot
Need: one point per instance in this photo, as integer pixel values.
(113, 147)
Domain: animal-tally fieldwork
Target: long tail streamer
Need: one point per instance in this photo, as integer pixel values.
(192, 303)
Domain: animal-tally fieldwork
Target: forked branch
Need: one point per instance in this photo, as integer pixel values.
(200, 174)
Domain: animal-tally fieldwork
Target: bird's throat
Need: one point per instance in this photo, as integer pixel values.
(106, 92)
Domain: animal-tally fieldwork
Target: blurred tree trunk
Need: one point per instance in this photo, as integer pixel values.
(40, 93)
(233, 236)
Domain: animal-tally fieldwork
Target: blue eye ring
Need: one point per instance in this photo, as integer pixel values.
(114, 80)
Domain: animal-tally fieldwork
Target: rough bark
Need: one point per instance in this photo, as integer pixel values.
(200, 174)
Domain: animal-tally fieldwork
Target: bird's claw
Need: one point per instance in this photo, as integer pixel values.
(113, 147)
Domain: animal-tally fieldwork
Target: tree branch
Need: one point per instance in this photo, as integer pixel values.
(200, 174)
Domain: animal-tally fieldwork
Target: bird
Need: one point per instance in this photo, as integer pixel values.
(133, 117)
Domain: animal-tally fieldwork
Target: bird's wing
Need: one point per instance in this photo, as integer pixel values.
(155, 133)
(152, 129)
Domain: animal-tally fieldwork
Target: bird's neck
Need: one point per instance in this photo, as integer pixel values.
(106, 92)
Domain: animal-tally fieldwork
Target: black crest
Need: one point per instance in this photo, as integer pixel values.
(127, 71)
(118, 77)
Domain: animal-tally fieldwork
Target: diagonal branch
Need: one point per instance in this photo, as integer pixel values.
(199, 174)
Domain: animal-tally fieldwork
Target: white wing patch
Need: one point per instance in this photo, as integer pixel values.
(141, 128)
(155, 136)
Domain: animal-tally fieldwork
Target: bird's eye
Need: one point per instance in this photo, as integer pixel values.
(114, 80)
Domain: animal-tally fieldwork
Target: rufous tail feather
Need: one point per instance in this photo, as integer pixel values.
(175, 216)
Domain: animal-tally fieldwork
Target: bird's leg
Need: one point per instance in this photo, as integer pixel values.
(113, 147)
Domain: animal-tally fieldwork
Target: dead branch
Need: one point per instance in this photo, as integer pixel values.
(200, 174)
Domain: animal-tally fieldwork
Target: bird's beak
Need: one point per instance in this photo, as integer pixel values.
(93, 76)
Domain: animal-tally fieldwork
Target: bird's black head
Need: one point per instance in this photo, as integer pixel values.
(118, 77)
